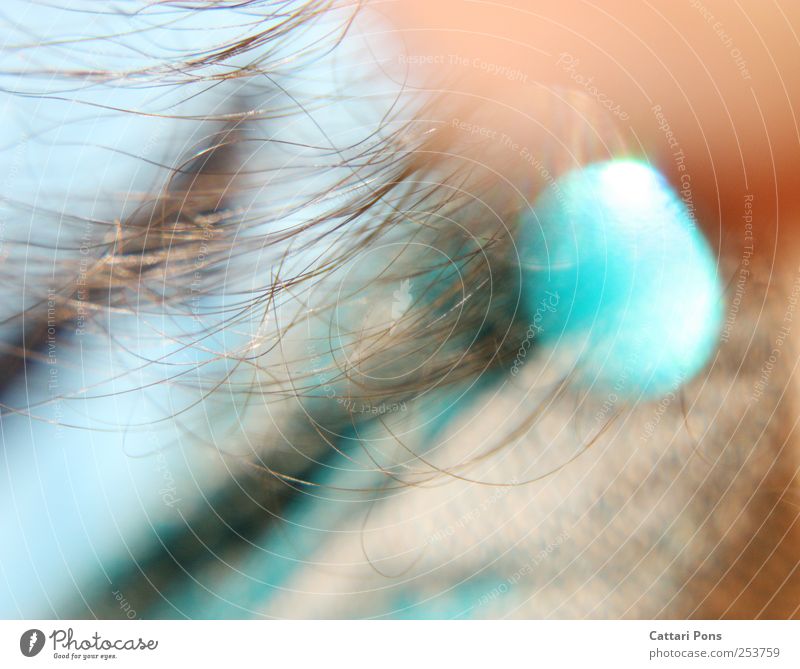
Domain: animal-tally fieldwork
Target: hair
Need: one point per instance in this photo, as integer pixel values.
(412, 189)
(284, 269)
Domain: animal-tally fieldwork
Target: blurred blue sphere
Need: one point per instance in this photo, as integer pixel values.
(616, 272)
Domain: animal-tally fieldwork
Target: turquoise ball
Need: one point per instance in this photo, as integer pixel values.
(617, 276)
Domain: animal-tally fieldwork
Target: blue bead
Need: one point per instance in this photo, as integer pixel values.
(618, 277)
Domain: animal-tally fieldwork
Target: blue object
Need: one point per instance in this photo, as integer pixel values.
(616, 272)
